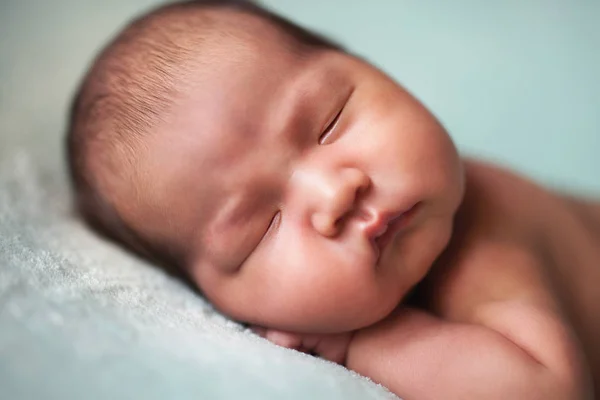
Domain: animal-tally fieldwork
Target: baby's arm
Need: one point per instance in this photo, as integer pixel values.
(419, 356)
(520, 352)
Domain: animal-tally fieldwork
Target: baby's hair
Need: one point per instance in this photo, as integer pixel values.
(130, 86)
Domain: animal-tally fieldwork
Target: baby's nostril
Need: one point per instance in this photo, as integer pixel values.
(324, 224)
(362, 189)
(339, 223)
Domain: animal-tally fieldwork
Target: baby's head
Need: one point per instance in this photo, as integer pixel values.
(298, 186)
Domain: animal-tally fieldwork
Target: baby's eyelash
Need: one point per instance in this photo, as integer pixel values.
(273, 224)
(325, 137)
(275, 221)
(330, 127)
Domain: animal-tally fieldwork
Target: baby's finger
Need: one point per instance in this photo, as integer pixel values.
(284, 339)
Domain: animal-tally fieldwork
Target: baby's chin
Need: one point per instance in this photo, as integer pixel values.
(365, 315)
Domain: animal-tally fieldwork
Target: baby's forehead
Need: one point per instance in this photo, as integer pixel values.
(235, 98)
(234, 34)
(248, 91)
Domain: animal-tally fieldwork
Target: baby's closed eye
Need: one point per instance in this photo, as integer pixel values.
(268, 233)
(272, 227)
(329, 134)
(326, 136)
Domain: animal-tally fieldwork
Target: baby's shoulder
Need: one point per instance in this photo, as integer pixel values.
(495, 253)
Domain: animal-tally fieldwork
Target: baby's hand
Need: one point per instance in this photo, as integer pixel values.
(332, 347)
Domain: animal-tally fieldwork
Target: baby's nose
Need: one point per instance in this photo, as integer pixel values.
(339, 196)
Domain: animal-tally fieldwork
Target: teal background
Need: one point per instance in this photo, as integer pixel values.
(513, 81)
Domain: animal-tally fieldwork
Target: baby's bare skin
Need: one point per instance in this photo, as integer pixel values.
(559, 235)
(521, 244)
(523, 261)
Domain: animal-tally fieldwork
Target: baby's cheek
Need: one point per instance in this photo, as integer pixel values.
(309, 282)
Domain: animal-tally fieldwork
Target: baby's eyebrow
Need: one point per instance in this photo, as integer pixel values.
(304, 84)
(295, 110)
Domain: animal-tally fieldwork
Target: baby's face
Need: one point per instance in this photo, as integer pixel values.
(306, 193)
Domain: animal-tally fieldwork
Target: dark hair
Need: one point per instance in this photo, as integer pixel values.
(129, 86)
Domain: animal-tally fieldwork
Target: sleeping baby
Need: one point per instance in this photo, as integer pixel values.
(310, 196)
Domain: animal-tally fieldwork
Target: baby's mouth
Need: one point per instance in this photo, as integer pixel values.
(388, 231)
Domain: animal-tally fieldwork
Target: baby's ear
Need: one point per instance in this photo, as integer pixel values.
(280, 338)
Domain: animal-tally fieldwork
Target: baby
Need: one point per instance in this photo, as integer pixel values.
(310, 196)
